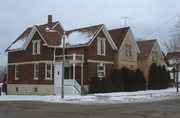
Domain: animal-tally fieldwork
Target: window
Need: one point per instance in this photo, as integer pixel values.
(101, 46)
(36, 71)
(101, 70)
(36, 47)
(35, 89)
(154, 56)
(48, 71)
(128, 50)
(16, 72)
(17, 89)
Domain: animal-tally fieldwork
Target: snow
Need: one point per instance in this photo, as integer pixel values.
(116, 97)
(76, 38)
(18, 44)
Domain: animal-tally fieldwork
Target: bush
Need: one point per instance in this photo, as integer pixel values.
(159, 78)
(107, 85)
(128, 77)
(152, 76)
(95, 85)
(117, 80)
(140, 82)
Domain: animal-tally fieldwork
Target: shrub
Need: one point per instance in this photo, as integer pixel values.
(140, 82)
(152, 76)
(117, 80)
(95, 85)
(107, 85)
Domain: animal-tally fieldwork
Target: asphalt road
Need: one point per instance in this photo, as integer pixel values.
(27, 109)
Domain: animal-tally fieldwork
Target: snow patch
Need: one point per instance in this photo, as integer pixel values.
(77, 38)
(18, 44)
(116, 97)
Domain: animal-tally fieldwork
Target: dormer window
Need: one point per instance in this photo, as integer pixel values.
(36, 47)
(101, 46)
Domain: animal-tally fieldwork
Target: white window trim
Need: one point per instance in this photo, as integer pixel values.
(48, 78)
(99, 47)
(104, 71)
(15, 72)
(38, 47)
(36, 78)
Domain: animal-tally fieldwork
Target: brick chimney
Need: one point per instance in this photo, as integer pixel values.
(49, 19)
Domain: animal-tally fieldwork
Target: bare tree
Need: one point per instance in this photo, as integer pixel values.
(172, 46)
(3, 73)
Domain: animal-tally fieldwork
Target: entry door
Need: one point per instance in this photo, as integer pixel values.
(57, 78)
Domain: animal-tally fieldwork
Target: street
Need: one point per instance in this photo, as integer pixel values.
(27, 109)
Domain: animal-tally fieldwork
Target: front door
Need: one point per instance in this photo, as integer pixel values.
(57, 78)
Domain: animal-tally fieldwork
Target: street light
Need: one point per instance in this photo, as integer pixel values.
(63, 36)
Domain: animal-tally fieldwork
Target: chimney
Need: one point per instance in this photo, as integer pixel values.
(49, 19)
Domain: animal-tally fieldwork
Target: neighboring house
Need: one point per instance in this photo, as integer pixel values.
(173, 62)
(150, 52)
(35, 59)
(127, 48)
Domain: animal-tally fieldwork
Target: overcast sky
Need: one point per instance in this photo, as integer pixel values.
(144, 16)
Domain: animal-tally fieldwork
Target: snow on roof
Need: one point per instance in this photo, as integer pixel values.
(77, 38)
(18, 44)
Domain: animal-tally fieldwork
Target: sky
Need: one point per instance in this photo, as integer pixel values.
(144, 16)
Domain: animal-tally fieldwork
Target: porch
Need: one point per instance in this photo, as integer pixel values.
(73, 74)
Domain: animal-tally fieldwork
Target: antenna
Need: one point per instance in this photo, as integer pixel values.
(125, 20)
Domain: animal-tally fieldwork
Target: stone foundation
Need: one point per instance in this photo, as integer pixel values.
(30, 89)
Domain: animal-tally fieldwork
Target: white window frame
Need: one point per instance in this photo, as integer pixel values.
(101, 71)
(128, 50)
(16, 71)
(48, 78)
(101, 46)
(36, 71)
(36, 47)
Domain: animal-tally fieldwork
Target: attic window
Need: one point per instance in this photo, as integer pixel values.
(154, 56)
(128, 50)
(36, 47)
(101, 46)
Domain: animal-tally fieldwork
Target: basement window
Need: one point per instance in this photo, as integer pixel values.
(17, 89)
(35, 89)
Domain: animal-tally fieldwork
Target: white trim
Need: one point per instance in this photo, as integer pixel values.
(29, 62)
(59, 25)
(48, 78)
(99, 61)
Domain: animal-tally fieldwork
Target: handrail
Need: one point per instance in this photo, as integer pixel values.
(77, 86)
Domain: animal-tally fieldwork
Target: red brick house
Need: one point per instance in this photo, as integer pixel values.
(35, 59)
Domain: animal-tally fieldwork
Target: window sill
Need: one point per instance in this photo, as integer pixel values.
(16, 79)
(35, 54)
(48, 79)
(36, 79)
(101, 54)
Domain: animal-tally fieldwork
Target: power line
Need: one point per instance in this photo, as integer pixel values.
(161, 25)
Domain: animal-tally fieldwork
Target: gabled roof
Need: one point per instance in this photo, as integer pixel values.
(145, 47)
(118, 35)
(84, 36)
(50, 38)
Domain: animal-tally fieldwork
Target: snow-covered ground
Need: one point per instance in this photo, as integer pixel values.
(116, 97)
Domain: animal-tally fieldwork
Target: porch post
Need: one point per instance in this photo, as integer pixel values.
(74, 71)
(81, 74)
